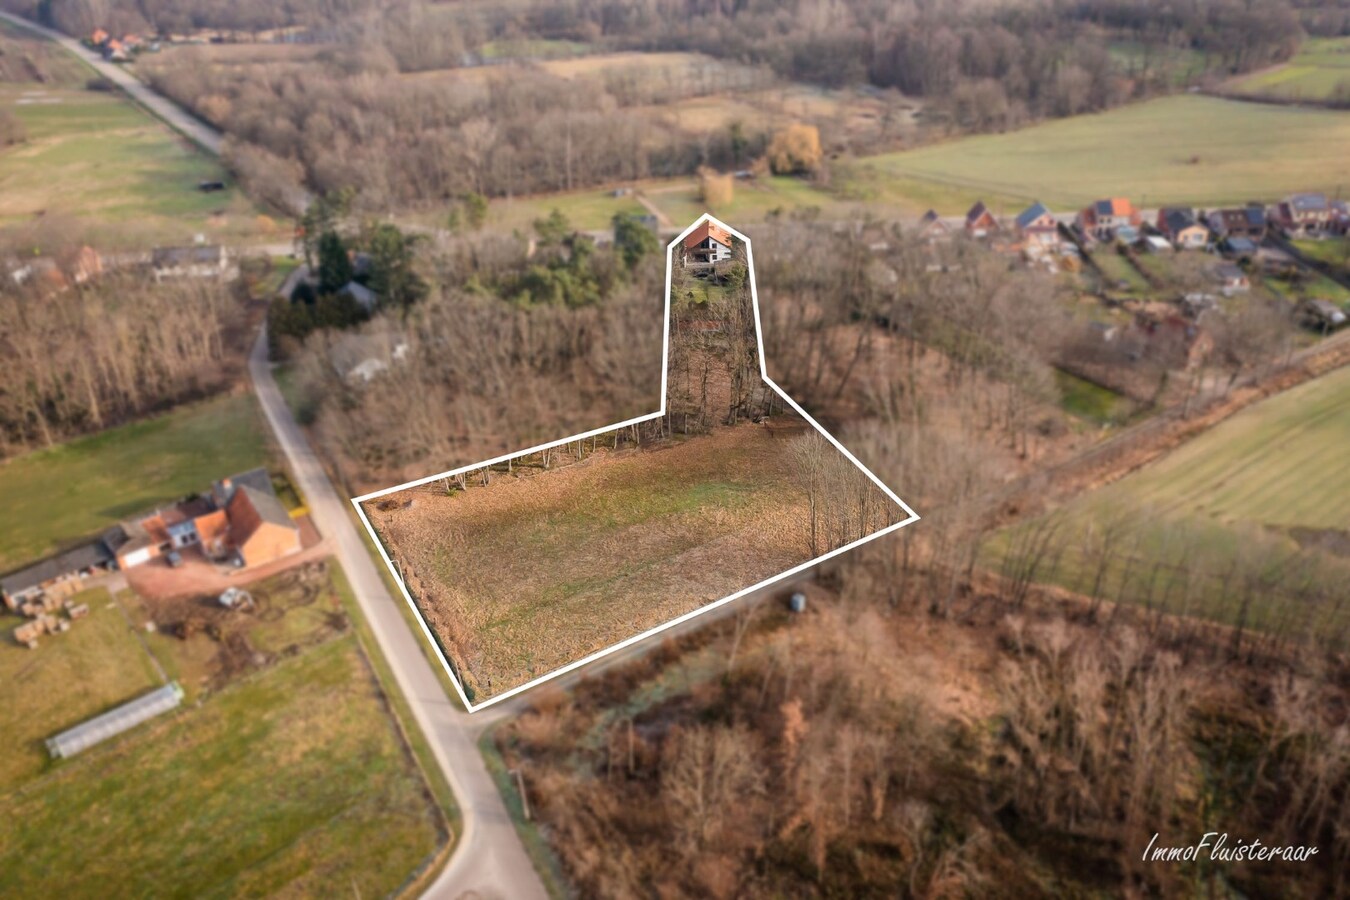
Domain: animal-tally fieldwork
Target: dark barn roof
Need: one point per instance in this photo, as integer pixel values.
(68, 563)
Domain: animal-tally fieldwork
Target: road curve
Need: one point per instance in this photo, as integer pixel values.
(177, 118)
(489, 860)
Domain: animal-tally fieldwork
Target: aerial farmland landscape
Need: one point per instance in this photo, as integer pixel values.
(525, 565)
(936, 419)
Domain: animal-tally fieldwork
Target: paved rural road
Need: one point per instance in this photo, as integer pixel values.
(170, 112)
(489, 860)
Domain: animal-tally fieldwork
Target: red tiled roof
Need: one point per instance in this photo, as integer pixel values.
(707, 230)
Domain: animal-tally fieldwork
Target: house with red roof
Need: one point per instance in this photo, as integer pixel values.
(708, 244)
(980, 222)
(1102, 219)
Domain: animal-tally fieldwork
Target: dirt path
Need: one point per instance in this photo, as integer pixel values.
(662, 220)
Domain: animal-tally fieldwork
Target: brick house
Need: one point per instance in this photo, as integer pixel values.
(1305, 213)
(980, 222)
(1102, 219)
(1244, 221)
(241, 520)
(260, 528)
(932, 228)
(1179, 225)
(1038, 226)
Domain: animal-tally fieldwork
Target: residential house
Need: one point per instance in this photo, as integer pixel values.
(198, 261)
(1102, 219)
(240, 520)
(1243, 221)
(1038, 227)
(1339, 222)
(1231, 279)
(55, 274)
(980, 222)
(260, 528)
(708, 244)
(1178, 224)
(1304, 213)
(932, 227)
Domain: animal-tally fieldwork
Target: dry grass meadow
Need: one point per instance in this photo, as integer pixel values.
(541, 568)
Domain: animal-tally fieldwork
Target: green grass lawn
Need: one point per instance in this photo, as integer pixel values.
(291, 782)
(592, 210)
(1281, 462)
(1334, 252)
(1243, 490)
(752, 201)
(1313, 287)
(1117, 271)
(56, 498)
(125, 176)
(1092, 402)
(1158, 152)
(1179, 64)
(1321, 66)
(531, 48)
(591, 554)
(91, 668)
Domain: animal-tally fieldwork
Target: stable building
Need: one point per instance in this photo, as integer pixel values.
(58, 576)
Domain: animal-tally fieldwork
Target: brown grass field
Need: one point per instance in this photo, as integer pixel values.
(540, 569)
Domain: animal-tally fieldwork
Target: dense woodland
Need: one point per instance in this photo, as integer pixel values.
(840, 754)
(512, 345)
(93, 355)
(930, 723)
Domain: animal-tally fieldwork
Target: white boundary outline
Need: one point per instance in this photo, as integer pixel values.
(709, 607)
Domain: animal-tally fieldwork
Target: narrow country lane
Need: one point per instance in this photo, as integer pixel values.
(178, 118)
(489, 860)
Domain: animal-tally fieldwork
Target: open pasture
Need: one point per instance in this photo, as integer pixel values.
(1231, 526)
(55, 498)
(1161, 152)
(292, 783)
(542, 568)
(70, 677)
(1319, 71)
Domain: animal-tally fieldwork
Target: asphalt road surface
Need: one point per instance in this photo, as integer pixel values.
(489, 860)
(177, 117)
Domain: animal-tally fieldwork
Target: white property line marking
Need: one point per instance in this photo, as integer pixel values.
(665, 357)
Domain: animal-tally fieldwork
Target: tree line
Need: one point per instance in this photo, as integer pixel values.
(515, 342)
(100, 353)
